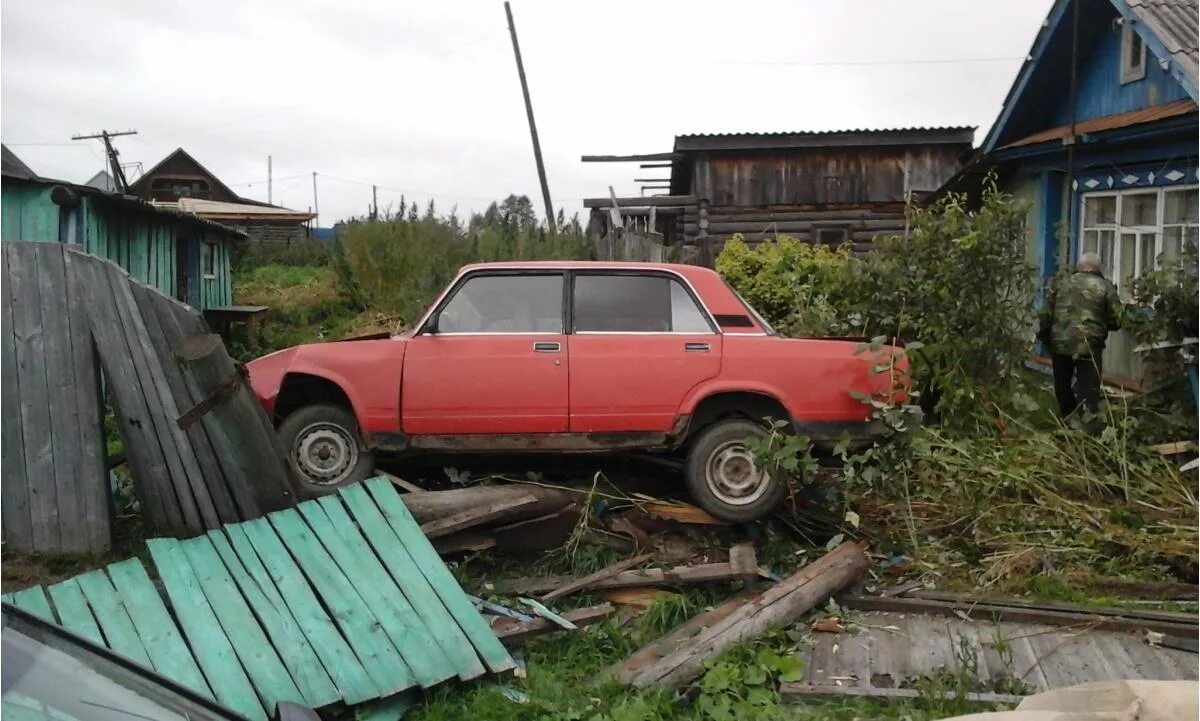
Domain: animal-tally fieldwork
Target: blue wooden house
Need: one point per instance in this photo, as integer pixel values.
(1099, 135)
(180, 254)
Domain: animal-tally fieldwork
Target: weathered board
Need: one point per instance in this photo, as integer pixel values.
(67, 315)
(55, 484)
(341, 599)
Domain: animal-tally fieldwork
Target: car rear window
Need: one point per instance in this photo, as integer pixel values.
(635, 304)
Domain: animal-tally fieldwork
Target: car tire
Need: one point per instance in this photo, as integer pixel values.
(325, 449)
(722, 476)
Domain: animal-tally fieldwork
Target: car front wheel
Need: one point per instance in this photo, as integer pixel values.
(724, 478)
(325, 449)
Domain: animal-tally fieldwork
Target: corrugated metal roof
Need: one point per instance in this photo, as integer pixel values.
(1176, 23)
(1110, 122)
(826, 138)
(218, 210)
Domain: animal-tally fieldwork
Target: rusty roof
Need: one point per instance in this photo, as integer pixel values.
(826, 138)
(1176, 25)
(1109, 122)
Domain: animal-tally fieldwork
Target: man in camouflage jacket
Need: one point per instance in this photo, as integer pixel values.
(1080, 310)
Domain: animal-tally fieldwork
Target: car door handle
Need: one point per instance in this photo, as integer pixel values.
(696, 347)
(547, 347)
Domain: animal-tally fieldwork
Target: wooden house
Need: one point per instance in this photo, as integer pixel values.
(182, 255)
(820, 187)
(1099, 135)
(180, 182)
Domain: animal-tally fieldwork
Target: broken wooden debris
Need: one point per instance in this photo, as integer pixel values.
(641, 598)
(513, 633)
(432, 505)
(408, 486)
(679, 575)
(601, 575)
(742, 560)
(829, 624)
(795, 691)
(780, 604)
(475, 516)
(1172, 449)
(681, 513)
(463, 541)
(498, 610)
(1111, 619)
(541, 610)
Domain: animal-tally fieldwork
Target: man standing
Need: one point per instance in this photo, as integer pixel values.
(1079, 312)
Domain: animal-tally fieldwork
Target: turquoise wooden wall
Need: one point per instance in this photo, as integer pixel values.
(141, 240)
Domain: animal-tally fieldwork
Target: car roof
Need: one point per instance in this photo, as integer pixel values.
(680, 268)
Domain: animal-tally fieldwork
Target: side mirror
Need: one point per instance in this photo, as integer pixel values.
(431, 325)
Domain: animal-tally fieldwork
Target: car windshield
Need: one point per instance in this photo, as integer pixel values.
(750, 309)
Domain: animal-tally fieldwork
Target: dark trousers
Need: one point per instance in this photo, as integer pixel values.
(1076, 381)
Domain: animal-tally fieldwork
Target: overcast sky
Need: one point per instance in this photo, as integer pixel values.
(423, 98)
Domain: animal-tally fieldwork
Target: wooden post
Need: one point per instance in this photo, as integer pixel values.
(537, 146)
(702, 239)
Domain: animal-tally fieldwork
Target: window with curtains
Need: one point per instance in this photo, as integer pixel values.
(1135, 230)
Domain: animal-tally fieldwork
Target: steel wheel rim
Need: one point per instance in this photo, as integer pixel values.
(733, 476)
(325, 453)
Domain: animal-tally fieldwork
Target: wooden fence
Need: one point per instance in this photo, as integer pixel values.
(201, 450)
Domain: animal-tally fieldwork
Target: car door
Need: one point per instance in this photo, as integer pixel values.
(640, 341)
(491, 359)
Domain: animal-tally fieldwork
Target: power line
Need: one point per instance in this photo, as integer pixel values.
(855, 63)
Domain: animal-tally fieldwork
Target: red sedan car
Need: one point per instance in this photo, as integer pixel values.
(573, 357)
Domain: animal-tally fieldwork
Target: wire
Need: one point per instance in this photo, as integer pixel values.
(853, 63)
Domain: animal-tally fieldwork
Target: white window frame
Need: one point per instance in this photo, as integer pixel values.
(1131, 72)
(208, 256)
(1114, 269)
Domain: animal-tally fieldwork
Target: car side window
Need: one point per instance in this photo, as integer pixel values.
(505, 304)
(635, 304)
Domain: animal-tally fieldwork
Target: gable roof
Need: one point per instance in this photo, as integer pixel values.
(825, 138)
(10, 164)
(1162, 24)
(103, 181)
(136, 186)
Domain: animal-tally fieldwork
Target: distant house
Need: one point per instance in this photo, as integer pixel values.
(1108, 163)
(820, 187)
(180, 182)
(180, 254)
(103, 181)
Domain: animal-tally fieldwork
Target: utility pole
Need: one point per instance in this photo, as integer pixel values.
(537, 147)
(270, 195)
(114, 161)
(374, 203)
(316, 207)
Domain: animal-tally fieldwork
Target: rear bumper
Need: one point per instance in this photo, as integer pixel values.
(827, 434)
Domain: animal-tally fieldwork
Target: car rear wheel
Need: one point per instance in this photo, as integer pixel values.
(325, 449)
(724, 478)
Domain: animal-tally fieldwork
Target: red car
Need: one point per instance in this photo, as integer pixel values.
(572, 357)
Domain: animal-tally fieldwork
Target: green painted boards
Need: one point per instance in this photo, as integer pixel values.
(340, 599)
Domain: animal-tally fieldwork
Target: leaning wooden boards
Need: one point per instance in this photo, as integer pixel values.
(339, 599)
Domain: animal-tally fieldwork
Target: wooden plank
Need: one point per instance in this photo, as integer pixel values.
(212, 649)
(679, 575)
(630, 158)
(513, 633)
(196, 448)
(161, 638)
(129, 405)
(33, 392)
(797, 691)
(297, 655)
(378, 590)
(406, 485)
(682, 514)
(1015, 614)
(15, 511)
(110, 612)
(259, 658)
(73, 611)
(602, 574)
(256, 541)
(1022, 603)
(407, 574)
(270, 565)
(33, 600)
(474, 516)
(190, 490)
(89, 434)
(360, 627)
(449, 591)
(179, 321)
(60, 401)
